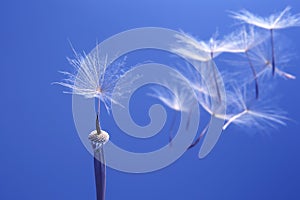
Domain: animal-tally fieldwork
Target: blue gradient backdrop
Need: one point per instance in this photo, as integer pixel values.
(41, 156)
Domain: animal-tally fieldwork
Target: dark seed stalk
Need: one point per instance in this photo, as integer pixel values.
(273, 52)
(199, 137)
(99, 163)
(100, 173)
(171, 134)
(254, 75)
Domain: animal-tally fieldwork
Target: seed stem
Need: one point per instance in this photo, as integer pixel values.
(273, 52)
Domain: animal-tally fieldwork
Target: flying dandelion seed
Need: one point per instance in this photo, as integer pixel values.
(261, 59)
(248, 113)
(280, 20)
(242, 41)
(208, 94)
(200, 50)
(178, 98)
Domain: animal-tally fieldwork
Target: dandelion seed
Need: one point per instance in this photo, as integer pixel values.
(243, 41)
(261, 59)
(259, 114)
(280, 20)
(240, 109)
(92, 78)
(208, 94)
(200, 50)
(207, 89)
(176, 95)
(175, 100)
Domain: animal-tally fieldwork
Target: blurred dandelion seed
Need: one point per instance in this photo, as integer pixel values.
(203, 52)
(281, 20)
(260, 57)
(200, 50)
(176, 97)
(206, 93)
(175, 100)
(259, 114)
(242, 41)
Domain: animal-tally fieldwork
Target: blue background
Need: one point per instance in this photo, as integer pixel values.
(41, 156)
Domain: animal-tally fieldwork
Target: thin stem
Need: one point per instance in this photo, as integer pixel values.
(100, 173)
(199, 137)
(189, 118)
(254, 74)
(98, 128)
(99, 163)
(190, 115)
(172, 128)
(98, 114)
(273, 52)
(216, 81)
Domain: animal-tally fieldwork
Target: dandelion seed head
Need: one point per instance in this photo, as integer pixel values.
(98, 139)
